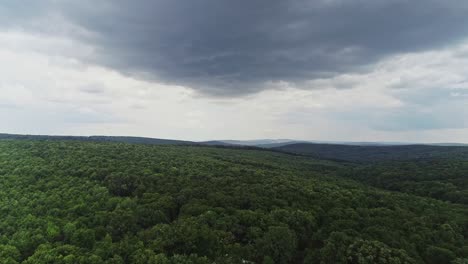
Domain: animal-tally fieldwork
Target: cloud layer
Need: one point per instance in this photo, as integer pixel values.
(198, 70)
(229, 48)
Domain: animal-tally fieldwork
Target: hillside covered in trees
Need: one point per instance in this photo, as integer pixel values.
(443, 179)
(365, 154)
(114, 203)
(135, 140)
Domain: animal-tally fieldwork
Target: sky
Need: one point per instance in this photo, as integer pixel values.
(336, 70)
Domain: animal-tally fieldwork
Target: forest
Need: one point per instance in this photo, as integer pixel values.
(74, 201)
(376, 153)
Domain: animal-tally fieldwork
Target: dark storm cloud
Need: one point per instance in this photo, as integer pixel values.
(223, 47)
(13, 12)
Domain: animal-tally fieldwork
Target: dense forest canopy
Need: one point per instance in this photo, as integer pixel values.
(366, 154)
(103, 202)
(139, 140)
(443, 179)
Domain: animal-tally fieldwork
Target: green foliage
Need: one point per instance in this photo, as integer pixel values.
(376, 153)
(439, 179)
(278, 243)
(435, 255)
(369, 252)
(83, 238)
(115, 203)
(335, 249)
(9, 254)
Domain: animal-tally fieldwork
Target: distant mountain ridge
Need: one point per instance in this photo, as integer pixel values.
(259, 142)
(270, 143)
(126, 139)
(358, 152)
(142, 140)
(375, 153)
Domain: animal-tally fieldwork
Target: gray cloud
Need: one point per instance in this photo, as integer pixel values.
(93, 89)
(229, 48)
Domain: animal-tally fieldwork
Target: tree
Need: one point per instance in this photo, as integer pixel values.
(279, 243)
(436, 255)
(84, 238)
(369, 252)
(334, 250)
(9, 254)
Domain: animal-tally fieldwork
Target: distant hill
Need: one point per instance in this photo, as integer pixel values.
(320, 149)
(375, 153)
(275, 145)
(272, 143)
(137, 140)
(259, 142)
(216, 143)
(142, 140)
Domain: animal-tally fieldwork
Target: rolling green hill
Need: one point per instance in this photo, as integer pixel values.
(365, 154)
(106, 202)
(124, 139)
(443, 179)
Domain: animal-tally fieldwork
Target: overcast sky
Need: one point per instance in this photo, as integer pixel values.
(347, 70)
